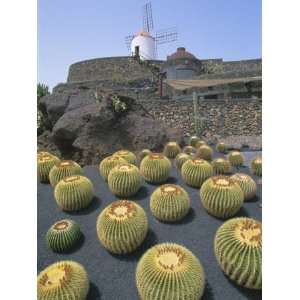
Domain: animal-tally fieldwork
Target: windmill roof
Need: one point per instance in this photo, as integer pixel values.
(143, 33)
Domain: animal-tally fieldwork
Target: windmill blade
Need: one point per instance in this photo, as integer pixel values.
(166, 36)
(147, 17)
(128, 40)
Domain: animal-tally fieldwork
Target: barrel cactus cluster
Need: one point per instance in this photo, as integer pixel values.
(122, 226)
(204, 152)
(256, 166)
(221, 166)
(247, 184)
(236, 158)
(45, 162)
(180, 159)
(171, 149)
(193, 140)
(143, 153)
(108, 163)
(190, 150)
(127, 155)
(238, 249)
(200, 144)
(221, 196)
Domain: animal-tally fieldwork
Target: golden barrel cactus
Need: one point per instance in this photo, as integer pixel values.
(221, 147)
(200, 144)
(193, 140)
(236, 158)
(127, 155)
(45, 162)
(171, 149)
(144, 153)
(221, 166)
(204, 152)
(190, 150)
(180, 159)
(256, 166)
(247, 184)
(108, 163)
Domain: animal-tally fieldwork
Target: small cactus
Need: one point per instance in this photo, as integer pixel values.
(169, 271)
(45, 162)
(190, 150)
(221, 166)
(155, 168)
(171, 149)
(108, 163)
(63, 235)
(122, 226)
(200, 144)
(195, 171)
(204, 152)
(221, 196)
(238, 249)
(247, 184)
(144, 153)
(169, 203)
(256, 166)
(63, 169)
(124, 180)
(236, 158)
(63, 280)
(180, 159)
(127, 155)
(193, 140)
(74, 193)
(221, 147)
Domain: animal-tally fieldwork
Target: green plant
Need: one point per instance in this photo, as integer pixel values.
(195, 171)
(155, 168)
(124, 180)
(236, 158)
(256, 166)
(200, 144)
(144, 153)
(108, 163)
(238, 249)
(63, 235)
(118, 105)
(127, 155)
(180, 159)
(221, 147)
(42, 90)
(63, 169)
(122, 226)
(221, 196)
(63, 280)
(190, 150)
(74, 193)
(169, 203)
(45, 162)
(169, 271)
(221, 166)
(171, 149)
(193, 140)
(247, 184)
(204, 152)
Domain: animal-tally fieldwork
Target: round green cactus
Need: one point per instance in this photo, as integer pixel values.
(200, 144)
(256, 166)
(63, 235)
(122, 226)
(221, 147)
(180, 159)
(195, 171)
(74, 193)
(236, 158)
(190, 150)
(63, 169)
(204, 152)
(221, 196)
(247, 184)
(193, 140)
(171, 149)
(108, 163)
(169, 203)
(155, 168)
(221, 166)
(45, 162)
(127, 155)
(124, 180)
(63, 280)
(170, 271)
(238, 249)
(144, 153)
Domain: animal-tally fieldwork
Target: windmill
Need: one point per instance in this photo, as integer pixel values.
(143, 44)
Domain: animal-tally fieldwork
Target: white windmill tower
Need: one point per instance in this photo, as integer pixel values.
(143, 44)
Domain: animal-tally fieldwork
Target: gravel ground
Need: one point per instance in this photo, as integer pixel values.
(112, 277)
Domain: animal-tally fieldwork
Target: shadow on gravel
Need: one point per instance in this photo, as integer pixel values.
(94, 293)
(141, 194)
(247, 293)
(187, 219)
(92, 207)
(208, 293)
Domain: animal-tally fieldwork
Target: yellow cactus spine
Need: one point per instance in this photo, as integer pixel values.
(171, 149)
(256, 166)
(193, 140)
(221, 147)
(180, 159)
(190, 150)
(221, 166)
(247, 184)
(108, 163)
(204, 152)
(45, 162)
(236, 158)
(127, 155)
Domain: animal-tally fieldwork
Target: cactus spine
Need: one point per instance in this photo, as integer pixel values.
(169, 271)
(127, 155)
(247, 184)
(238, 249)
(236, 158)
(108, 163)
(45, 162)
(124, 180)
(169, 203)
(193, 140)
(180, 159)
(204, 152)
(221, 196)
(144, 153)
(195, 171)
(221, 147)
(221, 166)
(155, 168)
(63, 169)
(171, 149)
(63, 235)
(74, 193)
(190, 150)
(122, 226)
(256, 166)
(63, 280)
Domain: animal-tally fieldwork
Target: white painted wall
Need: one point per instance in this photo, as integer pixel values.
(146, 45)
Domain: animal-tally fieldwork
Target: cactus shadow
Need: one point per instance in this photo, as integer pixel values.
(249, 294)
(208, 292)
(95, 204)
(242, 213)
(94, 293)
(142, 193)
(254, 199)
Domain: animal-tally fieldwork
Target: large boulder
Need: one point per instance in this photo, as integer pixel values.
(88, 127)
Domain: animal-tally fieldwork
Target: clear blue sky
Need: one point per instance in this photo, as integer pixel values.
(74, 30)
